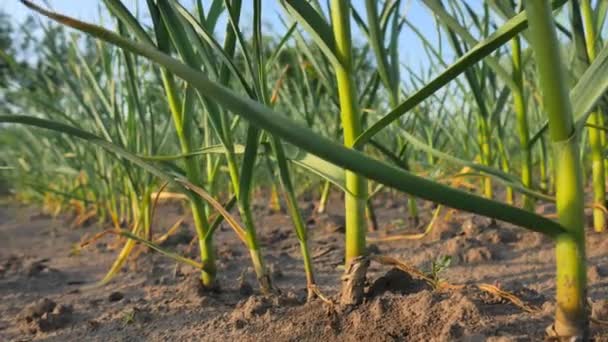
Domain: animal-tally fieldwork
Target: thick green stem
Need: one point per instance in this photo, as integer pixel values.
(571, 314)
(179, 112)
(519, 104)
(598, 173)
(603, 139)
(244, 206)
(571, 318)
(245, 185)
(254, 250)
(356, 186)
(205, 244)
(595, 134)
(294, 212)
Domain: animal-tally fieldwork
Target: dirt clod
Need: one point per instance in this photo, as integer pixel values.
(36, 267)
(38, 308)
(136, 314)
(396, 281)
(472, 226)
(44, 315)
(478, 254)
(500, 236)
(458, 244)
(115, 296)
(373, 249)
(252, 307)
(11, 265)
(239, 323)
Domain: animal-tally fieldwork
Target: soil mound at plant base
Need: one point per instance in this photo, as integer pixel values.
(420, 316)
(424, 315)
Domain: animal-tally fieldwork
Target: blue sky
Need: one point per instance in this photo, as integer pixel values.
(88, 10)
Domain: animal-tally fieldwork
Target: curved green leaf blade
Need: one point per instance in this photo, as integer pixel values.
(500, 37)
(305, 138)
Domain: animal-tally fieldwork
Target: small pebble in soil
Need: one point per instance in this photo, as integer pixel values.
(115, 296)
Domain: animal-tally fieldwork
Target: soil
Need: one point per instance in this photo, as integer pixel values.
(46, 294)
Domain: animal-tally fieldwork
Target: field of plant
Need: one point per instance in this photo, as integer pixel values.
(186, 170)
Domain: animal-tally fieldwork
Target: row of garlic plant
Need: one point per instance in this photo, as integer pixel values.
(249, 99)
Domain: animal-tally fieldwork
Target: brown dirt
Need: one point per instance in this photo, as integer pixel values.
(154, 299)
